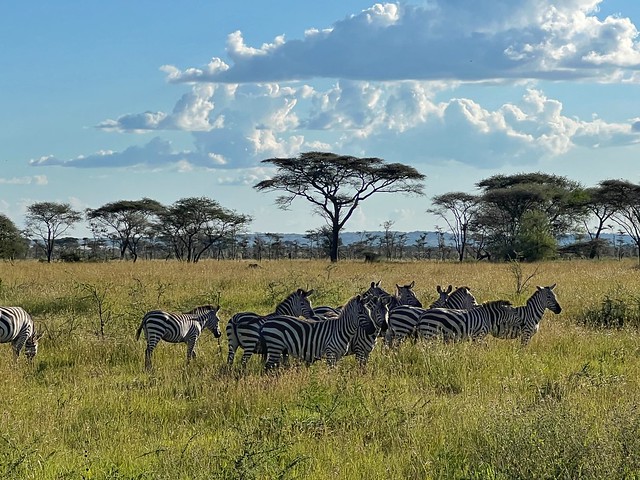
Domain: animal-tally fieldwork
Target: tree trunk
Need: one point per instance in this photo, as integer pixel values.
(335, 236)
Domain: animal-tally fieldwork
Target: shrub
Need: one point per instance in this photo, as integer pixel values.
(616, 310)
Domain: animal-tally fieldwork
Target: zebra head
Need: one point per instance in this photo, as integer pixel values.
(547, 298)
(461, 299)
(406, 295)
(375, 290)
(212, 321)
(31, 345)
(443, 295)
(374, 315)
(298, 304)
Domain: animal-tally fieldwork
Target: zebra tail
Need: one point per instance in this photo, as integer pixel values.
(139, 330)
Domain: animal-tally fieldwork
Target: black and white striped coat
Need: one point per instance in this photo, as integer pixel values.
(403, 320)
(474, 324)
(364, 340)
(527, 322)
(443, 296)
(178, 328)
(313, 340)
(243, 329)
(17, 328)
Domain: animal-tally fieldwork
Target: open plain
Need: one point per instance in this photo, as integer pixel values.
(565, 406)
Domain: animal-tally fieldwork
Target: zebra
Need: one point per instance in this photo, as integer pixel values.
(443, 296)
(312, 340)
(243, 329)
(529, 316)
(178, 328)
(406, 296)
(455, 325)
(364, 340)
(403, 320)
(17, 327)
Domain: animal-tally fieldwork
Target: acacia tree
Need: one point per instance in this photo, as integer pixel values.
(193, 225)
(125, 222)
(458, 210)
(337, 184)
(49, 220)
(507, 200)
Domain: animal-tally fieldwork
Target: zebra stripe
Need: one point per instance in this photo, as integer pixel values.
(312, 340)
(403, 320)
(178, 328)
(364, 340)
(529, 316)
(456, 325)
(243, 329)
(17, 328)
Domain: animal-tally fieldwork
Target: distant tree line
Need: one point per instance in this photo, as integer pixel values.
(527, 216)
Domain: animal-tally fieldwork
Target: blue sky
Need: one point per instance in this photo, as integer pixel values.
(119, 100)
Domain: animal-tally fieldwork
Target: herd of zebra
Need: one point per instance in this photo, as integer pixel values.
(297, 329)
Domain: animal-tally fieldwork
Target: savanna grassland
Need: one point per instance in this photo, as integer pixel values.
(565, 406)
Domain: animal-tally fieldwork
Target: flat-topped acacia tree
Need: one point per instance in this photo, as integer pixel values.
(336, 184)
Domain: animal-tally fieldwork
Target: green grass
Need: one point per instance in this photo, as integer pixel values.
(566, 406)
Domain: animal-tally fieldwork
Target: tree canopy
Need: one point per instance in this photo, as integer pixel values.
(48, 220)
(337, 184)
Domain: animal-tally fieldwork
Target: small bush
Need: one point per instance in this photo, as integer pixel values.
(616, 310)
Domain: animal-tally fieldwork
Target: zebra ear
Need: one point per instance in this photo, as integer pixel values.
(309, 292)
(539, 287)
(449, 288)
(412, 284)
(552, 286)
(438, 289)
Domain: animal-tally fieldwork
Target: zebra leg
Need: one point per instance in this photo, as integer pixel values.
(152, 343)
(147, 357)
(233, 345)
(273, 361)
(191, 349)
(246, 355)
(17, 345)
(232, 354)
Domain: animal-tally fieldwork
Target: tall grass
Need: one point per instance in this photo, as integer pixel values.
(566, 406)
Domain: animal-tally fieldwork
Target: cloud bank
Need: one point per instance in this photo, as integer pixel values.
(382, 82)
(453, 39)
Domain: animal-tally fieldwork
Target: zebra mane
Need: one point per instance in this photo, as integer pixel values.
(539, 291)
(496, 303)
(202, 309)
(352, 302)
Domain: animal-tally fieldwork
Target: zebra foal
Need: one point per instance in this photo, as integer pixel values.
(177, 328)
(17, 328)
(313, 340)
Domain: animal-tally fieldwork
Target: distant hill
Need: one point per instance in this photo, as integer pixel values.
(432, 237)
(353, 237)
